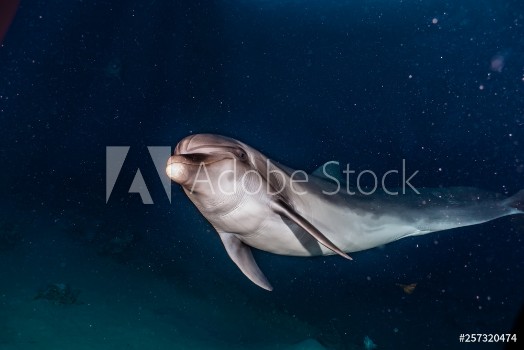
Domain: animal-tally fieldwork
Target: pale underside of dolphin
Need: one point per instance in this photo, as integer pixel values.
(250, 202)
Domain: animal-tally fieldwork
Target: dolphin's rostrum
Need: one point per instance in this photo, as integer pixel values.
(252, 201)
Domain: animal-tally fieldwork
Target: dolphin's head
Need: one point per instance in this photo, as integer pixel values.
(212, 166)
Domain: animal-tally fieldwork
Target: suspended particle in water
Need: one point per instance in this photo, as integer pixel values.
(498, 61)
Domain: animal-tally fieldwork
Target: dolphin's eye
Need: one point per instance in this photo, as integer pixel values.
(241, 155)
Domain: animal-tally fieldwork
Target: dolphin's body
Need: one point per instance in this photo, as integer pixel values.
(252, 202)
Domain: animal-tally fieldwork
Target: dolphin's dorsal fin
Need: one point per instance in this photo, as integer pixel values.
(284, 209)
(330, 171)
(241, 255)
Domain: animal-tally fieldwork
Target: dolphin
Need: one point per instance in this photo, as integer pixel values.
(252, 201)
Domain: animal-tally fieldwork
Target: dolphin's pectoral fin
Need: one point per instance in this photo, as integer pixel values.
(282, 208)
(241, 254)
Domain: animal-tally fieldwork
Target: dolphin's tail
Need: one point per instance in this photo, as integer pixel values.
(516, 201)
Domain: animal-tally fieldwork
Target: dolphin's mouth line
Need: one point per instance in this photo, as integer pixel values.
(193, 163)
(186, 159)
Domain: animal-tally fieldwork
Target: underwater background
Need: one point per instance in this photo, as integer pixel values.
(364, 82)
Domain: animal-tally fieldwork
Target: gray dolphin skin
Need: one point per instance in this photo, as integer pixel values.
(252, 201)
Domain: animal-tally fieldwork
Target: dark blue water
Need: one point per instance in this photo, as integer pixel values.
(368, 83)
